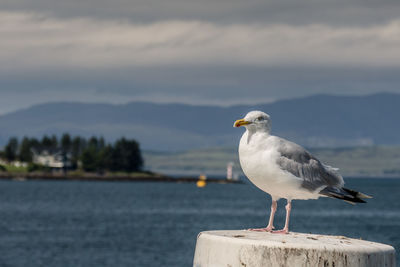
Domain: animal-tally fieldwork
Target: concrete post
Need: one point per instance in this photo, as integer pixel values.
(251, 249)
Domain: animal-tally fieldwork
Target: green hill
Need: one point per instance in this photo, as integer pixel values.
(358, 161)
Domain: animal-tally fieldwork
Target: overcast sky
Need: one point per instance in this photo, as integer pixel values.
(195, 51)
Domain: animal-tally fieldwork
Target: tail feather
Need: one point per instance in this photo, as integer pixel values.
(345, 194)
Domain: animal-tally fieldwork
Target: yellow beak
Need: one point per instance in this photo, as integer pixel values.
(240, 122)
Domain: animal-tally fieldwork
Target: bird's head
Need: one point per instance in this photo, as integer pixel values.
(255, 121)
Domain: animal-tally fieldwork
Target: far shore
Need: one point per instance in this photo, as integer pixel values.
(137, 177)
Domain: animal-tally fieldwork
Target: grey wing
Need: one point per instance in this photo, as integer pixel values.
(299, 162)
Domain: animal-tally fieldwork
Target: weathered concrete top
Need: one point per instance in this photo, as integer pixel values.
(247, 248)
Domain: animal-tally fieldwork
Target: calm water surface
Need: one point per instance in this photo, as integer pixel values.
(155, 224)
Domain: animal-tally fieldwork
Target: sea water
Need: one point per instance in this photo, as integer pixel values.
(45, 223)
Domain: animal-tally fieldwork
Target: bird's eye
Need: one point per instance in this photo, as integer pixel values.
(260, 118)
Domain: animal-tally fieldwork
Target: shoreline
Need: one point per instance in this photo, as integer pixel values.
(109, 178)
(145, 177)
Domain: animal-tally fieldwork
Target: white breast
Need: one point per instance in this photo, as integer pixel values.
(258, 156)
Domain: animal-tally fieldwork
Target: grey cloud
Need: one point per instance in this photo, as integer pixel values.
(32, 41)
(332, 12)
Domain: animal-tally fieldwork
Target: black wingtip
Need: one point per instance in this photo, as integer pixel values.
(356, 194)
(345, 194)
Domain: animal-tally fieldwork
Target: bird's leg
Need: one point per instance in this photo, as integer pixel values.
(270, 225)
(285, 229)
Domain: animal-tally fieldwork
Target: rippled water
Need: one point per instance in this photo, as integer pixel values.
(46, 223)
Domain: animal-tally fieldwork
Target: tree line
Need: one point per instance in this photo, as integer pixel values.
(92, 154)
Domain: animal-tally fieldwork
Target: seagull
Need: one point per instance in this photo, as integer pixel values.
(284, 169)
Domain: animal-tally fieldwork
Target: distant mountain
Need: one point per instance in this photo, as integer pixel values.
(320, 120)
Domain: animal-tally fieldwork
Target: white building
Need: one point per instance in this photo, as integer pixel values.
(51, 159)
